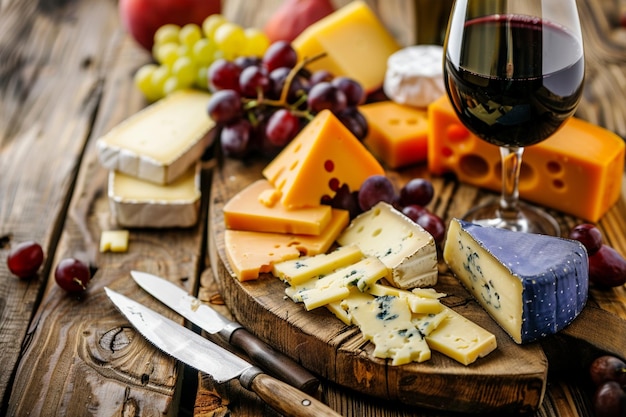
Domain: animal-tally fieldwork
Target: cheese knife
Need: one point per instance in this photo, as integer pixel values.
(222, 365)
(208, 319)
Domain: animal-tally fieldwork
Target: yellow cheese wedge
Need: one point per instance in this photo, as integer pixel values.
(138, 203)
(356, 44)
(249, 210)
(160, 142)
(578, 170)
(114, 240)
(251, 253)
(324, 156)
(398, 134)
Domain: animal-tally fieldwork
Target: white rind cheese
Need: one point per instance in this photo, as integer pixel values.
(159, 143)
(532, 285)
(137, 203)
(404, 246)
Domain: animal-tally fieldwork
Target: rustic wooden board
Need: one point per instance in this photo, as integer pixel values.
(513, 378)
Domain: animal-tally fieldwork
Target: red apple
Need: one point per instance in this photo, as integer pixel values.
(141, 18)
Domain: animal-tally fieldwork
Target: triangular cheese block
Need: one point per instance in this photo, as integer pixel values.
(324, 156)
(532, 285)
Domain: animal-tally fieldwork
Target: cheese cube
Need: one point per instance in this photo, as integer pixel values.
(398, 135)
(251, 253)
(159, 143)
(356, 44)
(321, 158)
(246, 211)
(404, 246)
(531, 285)
(578, 170)
(114, 240)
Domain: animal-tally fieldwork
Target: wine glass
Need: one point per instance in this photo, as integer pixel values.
(514, 71)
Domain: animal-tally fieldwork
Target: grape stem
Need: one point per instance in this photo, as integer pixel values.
(282, 100)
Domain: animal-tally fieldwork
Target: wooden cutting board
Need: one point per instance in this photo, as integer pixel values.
(510, 379)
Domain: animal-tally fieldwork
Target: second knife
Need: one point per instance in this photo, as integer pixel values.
(211, 321)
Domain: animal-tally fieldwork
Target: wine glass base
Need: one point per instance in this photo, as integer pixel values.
(529, 219)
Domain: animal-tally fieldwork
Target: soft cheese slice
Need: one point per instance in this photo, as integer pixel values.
(336, 286)
(324, 156)
(296, 271)
(250, 253)
(138, 203)
(248, 210)
(461, 339)
(114, 240)
(404, 246)
(532, 285)
(160, 142)
(386, 321)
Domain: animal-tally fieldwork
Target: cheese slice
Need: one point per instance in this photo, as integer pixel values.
(138, 203)
(250, 210)
(320, 159)
(251, 253)
(159, 143)
(397, 135)
(417, 304)
(532, 285)
(114, 240)
(355, 43)
(461, 339)
(404, 246)
(296, 271)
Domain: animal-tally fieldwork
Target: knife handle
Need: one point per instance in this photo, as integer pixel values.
(282, 397)
(274, 362)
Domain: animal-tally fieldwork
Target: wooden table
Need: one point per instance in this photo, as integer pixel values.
(66, 73)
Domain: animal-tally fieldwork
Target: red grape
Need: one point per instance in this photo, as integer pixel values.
(433, 225)
(609, 400)
(354, 120)
(417, 191)
(608, 368)
(320, 76)
(224, 75)
(589, 235)
(323, 96)
(282, 126)
(299, 85)
(244, 62)
(354, 92)
(225, 106)
(25, 259)
(280, 54)
(413, 211)
(345, 199)
(374, 189)
(607, 268)
(254, 81)
(72, 275)
(235, 138)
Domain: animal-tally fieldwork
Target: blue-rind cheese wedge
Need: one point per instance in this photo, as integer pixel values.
(532, 285)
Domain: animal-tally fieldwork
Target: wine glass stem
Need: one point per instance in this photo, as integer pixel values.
(511, 166)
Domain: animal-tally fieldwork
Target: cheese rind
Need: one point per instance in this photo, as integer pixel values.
(249, 210)
(251, 253)
(531, 285)
(580, 159)
(321, 158)
(159, 143)
(405, 247)
(137, 203)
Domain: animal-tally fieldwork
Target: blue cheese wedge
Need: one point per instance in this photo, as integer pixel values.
(406, 248)
(531, 285)
(159, 143)
(137, 203)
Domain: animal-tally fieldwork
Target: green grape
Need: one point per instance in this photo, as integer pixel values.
(185, 70)
(167, 33)
(184, 50)
(203, 51)
(202, 77)
(143, 81)
(230, 38)
(256, 42)
(211, 23)
(172, 84)
(165, 53)
(189, 34)
(159, 77)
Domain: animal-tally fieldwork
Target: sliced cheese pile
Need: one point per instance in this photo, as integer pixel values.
(152, 157)
(532, 285)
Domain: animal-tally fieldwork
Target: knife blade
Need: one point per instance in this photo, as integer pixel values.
(208, 319)
(206, 356)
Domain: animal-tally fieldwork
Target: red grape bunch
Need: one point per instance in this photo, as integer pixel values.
(608, 374)
(260, 104)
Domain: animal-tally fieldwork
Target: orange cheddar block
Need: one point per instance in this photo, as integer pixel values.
(251, 253)
(578, 170)
(356, 44)
(248, 211)
(398, 134)
(324, 156)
